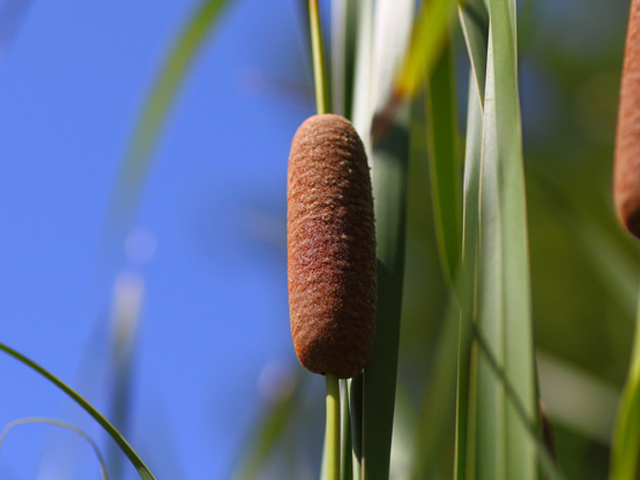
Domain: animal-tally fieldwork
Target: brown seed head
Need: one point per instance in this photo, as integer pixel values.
(330, 247)
(626, 173)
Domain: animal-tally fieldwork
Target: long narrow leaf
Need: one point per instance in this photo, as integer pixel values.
(474, 20)
(388, 155)
(58, 423)
(465, 396)
(430, 36)
(626, 438)
(138, 157)
(504, 449)
(442, 142)
(268, 434)
(131, 454)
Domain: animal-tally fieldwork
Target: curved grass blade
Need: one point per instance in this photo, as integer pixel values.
(546, 457)
(268, 434)
(438, 398)
(138, 157)
(58, 423)
(128, 297)
(430, 36)
(131, 454)
(474, 20)
(466, 394)
(444, 163)
(626, 436)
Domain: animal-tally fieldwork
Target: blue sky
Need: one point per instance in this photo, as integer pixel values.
(214, 308)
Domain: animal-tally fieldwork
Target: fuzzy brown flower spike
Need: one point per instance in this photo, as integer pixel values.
(331, 247)
(626, 175)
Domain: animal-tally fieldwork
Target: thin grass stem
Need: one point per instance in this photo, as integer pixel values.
(332, 433)
(58, 423)
(317, 49)
(131, 454)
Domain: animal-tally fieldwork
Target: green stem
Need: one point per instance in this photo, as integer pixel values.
(332, 434)
(137, 462)
(317, 49)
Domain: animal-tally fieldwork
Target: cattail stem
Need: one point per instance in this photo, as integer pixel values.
(332, 433)
(317, 49)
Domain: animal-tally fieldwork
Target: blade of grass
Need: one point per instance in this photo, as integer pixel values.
(268, 433)
(444, 163)
(131, 454)
(545, 457)
(438, 398)
(137, 160)
(58, 423)
(504, 449)
(383, 35)
(465, 394)
(430, 36)
(476, 37)
(626, 435)
(474, 20)
(127, 303)
(389, 163)
(362, 105)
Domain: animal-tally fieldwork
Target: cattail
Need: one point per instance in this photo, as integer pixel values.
(626, 175)
(331, 247)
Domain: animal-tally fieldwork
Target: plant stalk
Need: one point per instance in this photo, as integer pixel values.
(332, 432)
(317, 49)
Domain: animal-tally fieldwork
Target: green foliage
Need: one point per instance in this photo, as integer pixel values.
(135, 460)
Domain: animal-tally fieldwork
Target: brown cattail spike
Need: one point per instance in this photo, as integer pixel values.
(626, 175)
(331, 247)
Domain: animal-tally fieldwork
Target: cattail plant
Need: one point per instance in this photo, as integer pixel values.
(627, 151)
(331, 247)
(626, 188)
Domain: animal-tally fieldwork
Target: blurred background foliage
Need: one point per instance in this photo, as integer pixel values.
(584, 267)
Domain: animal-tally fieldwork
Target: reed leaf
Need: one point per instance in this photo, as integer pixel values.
(502, 448)
(444, 163)
(384, 33)
(137, 161)
(58, 423)
(268, 434)
(430, 37)
(131, 454)
(626, 435)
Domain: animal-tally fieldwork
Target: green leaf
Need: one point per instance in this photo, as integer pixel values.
(58, 423)
(430, 36)
(268, 434)
(131, 454)
(626, 436)
(444, 163)
(137, 161)
(389, 159)
(438, 398)
(383, 35)
(502, 448)
(474, 20)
